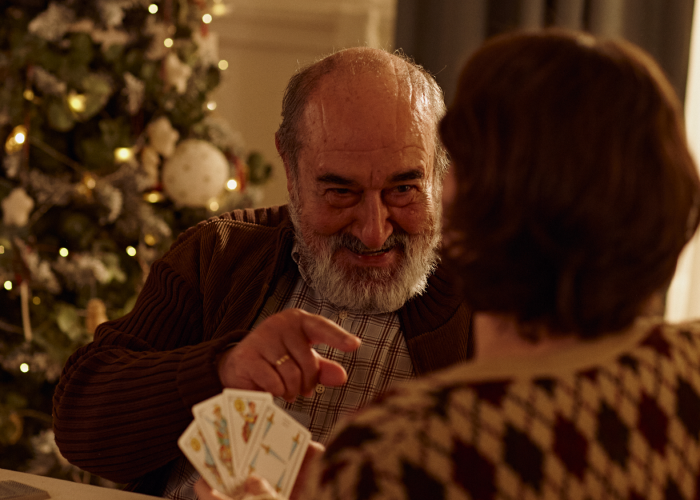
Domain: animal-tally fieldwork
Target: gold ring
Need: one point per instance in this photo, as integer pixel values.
(282, 360)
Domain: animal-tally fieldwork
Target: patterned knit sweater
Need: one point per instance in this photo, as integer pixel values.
(615, 418)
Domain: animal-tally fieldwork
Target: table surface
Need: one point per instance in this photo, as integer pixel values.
(68, 490)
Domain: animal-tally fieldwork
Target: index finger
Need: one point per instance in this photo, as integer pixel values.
(320, 330)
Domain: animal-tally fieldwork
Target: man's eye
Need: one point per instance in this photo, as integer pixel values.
(341, 197)
(403, 189)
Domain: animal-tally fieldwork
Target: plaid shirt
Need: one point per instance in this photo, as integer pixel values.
(380, 362)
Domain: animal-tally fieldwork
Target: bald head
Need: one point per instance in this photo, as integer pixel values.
(347, 78)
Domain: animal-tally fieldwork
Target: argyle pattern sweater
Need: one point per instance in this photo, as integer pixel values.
(617, 418)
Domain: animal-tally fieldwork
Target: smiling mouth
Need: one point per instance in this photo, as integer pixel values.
(372, 253)
(376, 252)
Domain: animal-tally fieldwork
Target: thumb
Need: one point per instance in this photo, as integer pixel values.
(255, 485)
(331, 373)
(320, 330)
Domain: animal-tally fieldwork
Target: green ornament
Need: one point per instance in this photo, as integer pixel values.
(59, 115)
(69, 321)
(98, 89)
(81, 51)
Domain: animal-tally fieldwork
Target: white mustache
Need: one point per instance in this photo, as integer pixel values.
(353, 243)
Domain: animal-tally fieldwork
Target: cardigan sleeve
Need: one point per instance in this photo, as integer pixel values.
(124, 399)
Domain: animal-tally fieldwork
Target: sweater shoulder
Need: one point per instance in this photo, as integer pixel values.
(262, 218)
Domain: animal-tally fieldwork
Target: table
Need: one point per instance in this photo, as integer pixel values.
(68, 490)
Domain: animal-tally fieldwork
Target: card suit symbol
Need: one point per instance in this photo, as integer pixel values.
(295, 442)
(239, 405)
(196, 445)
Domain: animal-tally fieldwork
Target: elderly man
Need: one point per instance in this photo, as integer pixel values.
(265, 299)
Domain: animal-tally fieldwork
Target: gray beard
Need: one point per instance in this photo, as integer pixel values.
(367, 289)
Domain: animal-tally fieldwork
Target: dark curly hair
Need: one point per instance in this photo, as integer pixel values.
(575, 188)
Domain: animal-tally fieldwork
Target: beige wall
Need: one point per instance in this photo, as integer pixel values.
(265, 41)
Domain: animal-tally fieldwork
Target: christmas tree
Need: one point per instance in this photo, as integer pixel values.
(111, 149)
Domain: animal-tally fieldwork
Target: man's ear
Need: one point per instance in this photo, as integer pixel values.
(285, 162)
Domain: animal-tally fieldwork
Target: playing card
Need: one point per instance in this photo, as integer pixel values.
(195, 448)
(277, 449)
(211, 419)
(244, 410)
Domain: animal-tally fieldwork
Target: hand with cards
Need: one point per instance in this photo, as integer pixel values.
(240, 432)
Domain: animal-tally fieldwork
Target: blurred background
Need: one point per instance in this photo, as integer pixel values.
(265, 41)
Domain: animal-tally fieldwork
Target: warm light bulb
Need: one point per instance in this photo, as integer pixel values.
(89, 181)
(153, 8)
(123, 154)
(14, 141)
(153, 197)
(223, 64)
(28, 94)
(213, 205)
(63, 252)
(76, 102)
(36, 301)
(131, 251)
(168, 42)
(206, 18)
(24, 367)
(218, 9)
(231, 184)
(149, 239)
(2, 249)
(211, 105)
(8, 285)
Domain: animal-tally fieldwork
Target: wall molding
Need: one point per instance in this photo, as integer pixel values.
(307, 25)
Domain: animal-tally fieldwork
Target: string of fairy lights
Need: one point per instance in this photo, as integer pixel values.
(18, 141)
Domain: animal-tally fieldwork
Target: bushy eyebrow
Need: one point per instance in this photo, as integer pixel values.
(334, 179)
(410, 175)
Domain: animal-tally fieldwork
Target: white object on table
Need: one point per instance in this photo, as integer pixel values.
(68, 490)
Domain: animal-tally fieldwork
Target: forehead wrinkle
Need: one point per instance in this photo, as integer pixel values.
(382, 148)
(323, 113)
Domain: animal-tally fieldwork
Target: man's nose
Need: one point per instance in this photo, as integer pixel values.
(372, 226)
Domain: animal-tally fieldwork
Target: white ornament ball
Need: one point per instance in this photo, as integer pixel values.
(195, 173)
(16, 208)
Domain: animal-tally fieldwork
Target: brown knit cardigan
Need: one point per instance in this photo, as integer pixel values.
(124, 399)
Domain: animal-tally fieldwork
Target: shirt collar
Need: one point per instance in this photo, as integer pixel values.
(296, 257)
